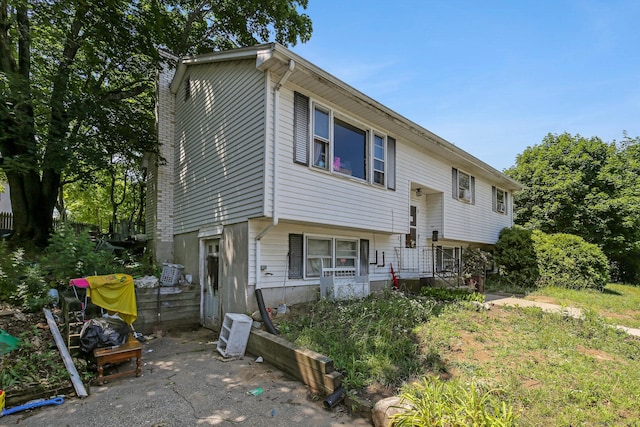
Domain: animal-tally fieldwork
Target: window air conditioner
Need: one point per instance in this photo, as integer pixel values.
(501, 207)
(465, 194)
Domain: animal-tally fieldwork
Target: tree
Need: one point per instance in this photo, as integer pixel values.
(586, 187)
(76, 82)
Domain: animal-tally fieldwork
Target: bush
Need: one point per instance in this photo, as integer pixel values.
(528, 259)
(11, 266)
(516, 258)
(72, 254)
(568, 261)
(453, 404)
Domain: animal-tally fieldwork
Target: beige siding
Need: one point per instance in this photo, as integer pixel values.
(219, 151)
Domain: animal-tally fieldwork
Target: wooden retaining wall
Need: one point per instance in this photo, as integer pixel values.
(167, 307)
(311, 368)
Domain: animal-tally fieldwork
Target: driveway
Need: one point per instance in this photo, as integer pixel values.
(185, 382)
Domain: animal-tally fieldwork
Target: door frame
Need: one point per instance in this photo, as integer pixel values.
(202, 255)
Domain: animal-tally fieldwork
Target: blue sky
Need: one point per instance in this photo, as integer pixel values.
(492, 77)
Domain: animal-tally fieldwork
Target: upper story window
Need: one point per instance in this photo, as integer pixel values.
(378, 159)
(321, 138)
(499, 200)
(463, 186)
(338, 145)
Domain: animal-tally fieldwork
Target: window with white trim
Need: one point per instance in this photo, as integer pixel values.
(463, 186)
(339, 145)
(326, 252)
(319, 255)
(499, 200)
(320, 138)
(378, 159)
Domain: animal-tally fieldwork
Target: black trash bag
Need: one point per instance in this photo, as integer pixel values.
(102, 332)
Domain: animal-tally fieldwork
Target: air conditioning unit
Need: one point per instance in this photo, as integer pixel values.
(500, 207)
(464, 194)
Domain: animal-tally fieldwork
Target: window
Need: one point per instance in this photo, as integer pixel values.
(349, 150)
(378, 159)
(326, 252)
(410, 240)
(499, 200)
(463, 186)
(320, 138)
(338, 146)
(319, 256)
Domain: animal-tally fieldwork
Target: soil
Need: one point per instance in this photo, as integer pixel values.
(33, 329)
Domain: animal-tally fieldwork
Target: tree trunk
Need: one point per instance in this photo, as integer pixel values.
(32, 201)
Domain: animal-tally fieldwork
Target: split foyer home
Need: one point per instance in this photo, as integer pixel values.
(275, 175)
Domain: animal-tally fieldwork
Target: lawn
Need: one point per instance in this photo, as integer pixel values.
(553, 370)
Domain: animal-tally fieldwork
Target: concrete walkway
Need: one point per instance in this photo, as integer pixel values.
(493, 299)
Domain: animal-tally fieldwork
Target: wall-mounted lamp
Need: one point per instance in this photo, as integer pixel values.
(418, 192)
(434, 235)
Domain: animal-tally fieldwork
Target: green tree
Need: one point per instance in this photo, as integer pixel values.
(76, 82)
(586, 187)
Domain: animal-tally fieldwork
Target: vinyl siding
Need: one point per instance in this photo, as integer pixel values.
(220, 133)
(315, 196)
(275, 247)
(318, 197)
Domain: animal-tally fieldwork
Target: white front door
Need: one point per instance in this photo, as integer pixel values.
(210, 273)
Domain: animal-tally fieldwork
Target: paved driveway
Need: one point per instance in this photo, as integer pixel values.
(186, 383)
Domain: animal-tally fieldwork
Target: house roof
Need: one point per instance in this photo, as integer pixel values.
(311, 79)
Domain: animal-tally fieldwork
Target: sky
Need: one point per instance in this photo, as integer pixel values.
(492, 77)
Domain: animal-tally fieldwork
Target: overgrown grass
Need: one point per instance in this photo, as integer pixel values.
(551, 369)
(618, 303)
(371, 340)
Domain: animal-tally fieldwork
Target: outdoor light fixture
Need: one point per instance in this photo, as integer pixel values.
(419, 192)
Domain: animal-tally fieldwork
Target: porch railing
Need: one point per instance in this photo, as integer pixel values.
(431, 261)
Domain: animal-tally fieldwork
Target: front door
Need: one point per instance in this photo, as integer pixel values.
(410, 255)
(211, 280)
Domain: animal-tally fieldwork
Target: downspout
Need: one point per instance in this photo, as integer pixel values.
(274, 192)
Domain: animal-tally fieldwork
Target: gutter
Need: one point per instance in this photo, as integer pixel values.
(274, 190)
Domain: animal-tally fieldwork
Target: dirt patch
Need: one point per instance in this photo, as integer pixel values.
(540, 298)
(596, 354)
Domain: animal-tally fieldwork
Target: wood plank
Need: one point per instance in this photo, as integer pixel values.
(66, 357)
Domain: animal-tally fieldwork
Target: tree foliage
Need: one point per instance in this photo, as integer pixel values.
(586, 187)
(76, 82)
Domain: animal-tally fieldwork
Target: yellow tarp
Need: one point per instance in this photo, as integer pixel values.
(116, 293)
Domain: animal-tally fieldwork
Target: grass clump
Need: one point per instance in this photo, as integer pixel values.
(433, 402)
(371, 340)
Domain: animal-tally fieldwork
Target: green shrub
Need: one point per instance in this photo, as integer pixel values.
(452, 404)
(568, 261)
(72, 254)
(516, 258)
(446, 294)
(11, 267)
(32, 292)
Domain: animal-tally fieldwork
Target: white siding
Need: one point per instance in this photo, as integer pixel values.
(219, 145)
(275, 247)
(318, 197)
(315, 196)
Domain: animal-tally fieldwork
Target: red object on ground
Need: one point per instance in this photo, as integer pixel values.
(394, 277)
